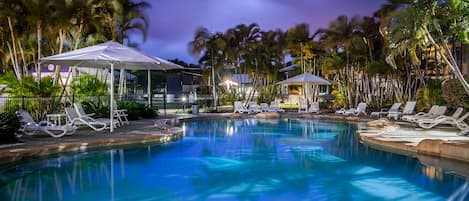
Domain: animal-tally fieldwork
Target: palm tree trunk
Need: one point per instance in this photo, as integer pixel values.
(448, 58)
(13, 54)
(39, 36)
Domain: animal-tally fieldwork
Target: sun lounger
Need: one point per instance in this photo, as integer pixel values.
(266, 108)
(29, 126)
(408, 110)
(457, 122)
(434, 111)
(314, 108)
(81, 112)
(75, 120)
(302, 108)
(254, 107)
(394, 108)
(120, 114)
(239, 108)
(361, 108)
(274, 106)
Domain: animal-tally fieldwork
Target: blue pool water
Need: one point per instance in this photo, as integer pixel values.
(243, 159)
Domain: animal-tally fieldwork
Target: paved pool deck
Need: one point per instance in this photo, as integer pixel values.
(408, 139)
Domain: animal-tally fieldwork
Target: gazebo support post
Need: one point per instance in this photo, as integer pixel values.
(149, 88)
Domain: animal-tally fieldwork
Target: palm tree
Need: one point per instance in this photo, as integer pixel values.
(430, 24)
(212, 46)
(298, 37)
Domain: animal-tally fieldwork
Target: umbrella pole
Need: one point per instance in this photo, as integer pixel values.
(111, 100)
(149, 88)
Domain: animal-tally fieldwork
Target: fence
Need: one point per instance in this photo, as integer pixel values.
(56, 104)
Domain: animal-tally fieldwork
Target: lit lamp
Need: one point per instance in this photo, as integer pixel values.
(184, 99)
(228, 84)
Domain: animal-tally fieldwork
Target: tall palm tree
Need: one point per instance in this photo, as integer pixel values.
(210, 49)
(298, 37)
(431, 23)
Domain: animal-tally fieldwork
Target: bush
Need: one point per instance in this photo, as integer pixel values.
(9, 124)
(267, 94)
(137, 110)
(455, 95)
(99, 109)
(427, 97)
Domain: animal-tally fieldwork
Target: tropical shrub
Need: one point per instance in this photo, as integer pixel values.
(228, 98)
(87, 85)
(38, 97)
(429, 96)
(98, 108)
(137, 110)
(454, 95)
(9, 124)
(267, 94)
(340, 100)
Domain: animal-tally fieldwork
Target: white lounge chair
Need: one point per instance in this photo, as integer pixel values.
(75, 120)
(120, 114)
(80, 111)
(457, 122)
(408, 110)
(254, 107)
(434, 111)
(361, 108)
(29, 126)
(239, 108)
(394, 108)
(274, 106)
(303, 107)
(314, 108)
(266, 108)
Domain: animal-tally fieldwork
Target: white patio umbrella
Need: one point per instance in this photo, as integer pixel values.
(108, 55)
(306, 79)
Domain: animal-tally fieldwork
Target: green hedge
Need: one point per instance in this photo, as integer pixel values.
(9, 124)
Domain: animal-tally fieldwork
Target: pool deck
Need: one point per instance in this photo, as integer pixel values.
(407, 139)
(141, 132)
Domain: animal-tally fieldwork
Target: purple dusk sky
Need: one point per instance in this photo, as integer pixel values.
(173, 22)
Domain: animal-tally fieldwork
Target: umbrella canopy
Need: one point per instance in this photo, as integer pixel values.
(306, 78)
(167, 64)
(105, 54)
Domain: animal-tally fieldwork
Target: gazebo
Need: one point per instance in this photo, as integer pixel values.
(306, 79)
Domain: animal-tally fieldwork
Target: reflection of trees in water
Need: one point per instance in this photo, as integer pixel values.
(57, 179)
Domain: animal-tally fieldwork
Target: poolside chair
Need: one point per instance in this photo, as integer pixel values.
(75, 120)
(314, 108)
(274, 106)
(29, 126)
(120, 114)
(80, 111)
(408, 110)
(394, 108)
(457, 122)
(254, 107)
(266, 108)
(302, 108)
(434, 111)
(239, 108)
(361, 108)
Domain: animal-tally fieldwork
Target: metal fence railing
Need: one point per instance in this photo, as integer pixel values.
(56, 104)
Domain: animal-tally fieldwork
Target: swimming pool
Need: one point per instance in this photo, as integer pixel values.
(242, 159)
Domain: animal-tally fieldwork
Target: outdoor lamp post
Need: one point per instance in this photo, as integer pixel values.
(184, 99)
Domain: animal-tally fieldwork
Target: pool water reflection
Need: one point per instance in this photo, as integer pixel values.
(242, 159)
